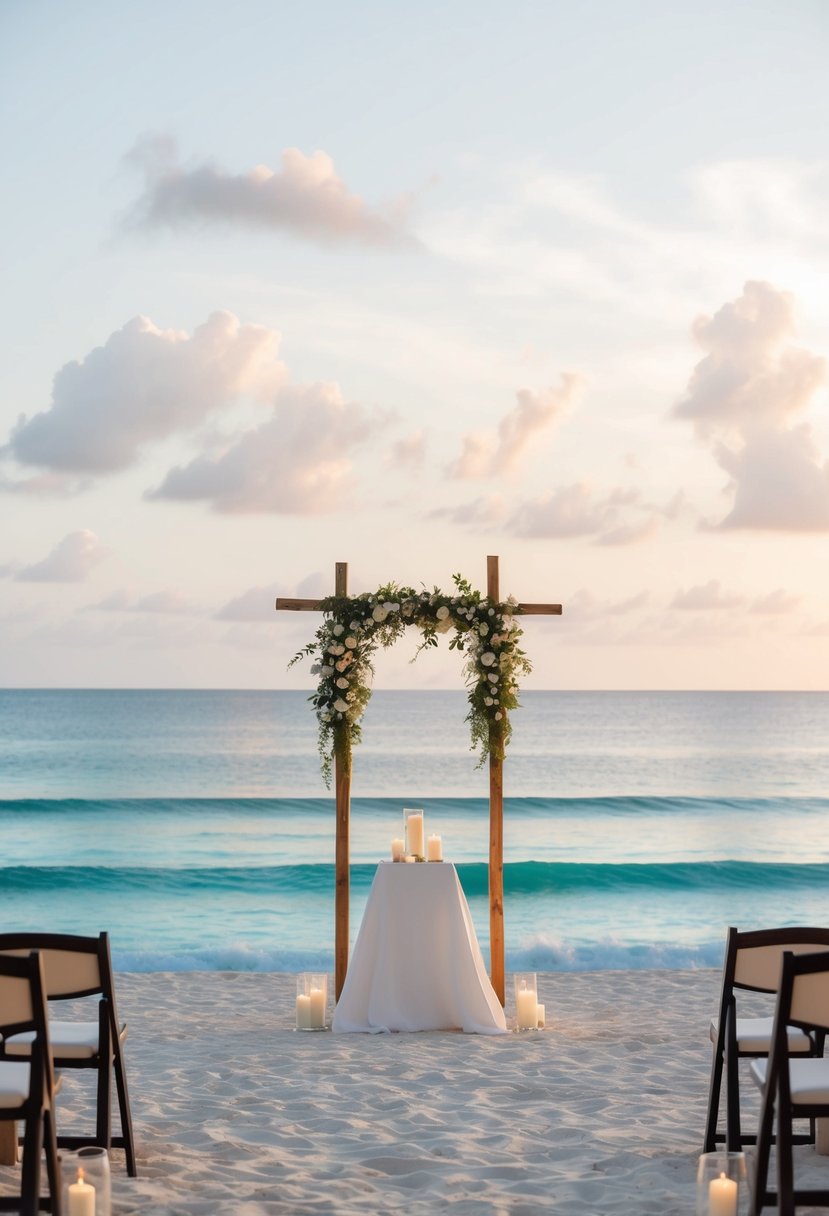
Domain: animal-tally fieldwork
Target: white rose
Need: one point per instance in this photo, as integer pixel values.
(350, 642)
(492, 676)
(326, 671)
(442, 613)
(492, 612)
(342, 682)
(340, 705)
(488, 701)
(487, 658)
(483, 630)
(334, 648)
(498, 716)
(338, 629)
(379, 614)
(355, 625)
(390, 607)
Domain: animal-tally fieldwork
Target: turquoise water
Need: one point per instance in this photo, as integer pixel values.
(195, 827)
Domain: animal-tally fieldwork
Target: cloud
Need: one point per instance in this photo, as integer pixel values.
(705, 597)
(69, 562)
(743, 397)
(409, 452)
(483, 512)
(143, 385)
(258, 603)
(166, 603)
(491, 454)
(574, 510)
(774, 603)
(305, 196)
(296, 463)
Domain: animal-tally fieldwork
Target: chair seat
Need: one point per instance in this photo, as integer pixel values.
(70, 1041)
(754, 1034)
(14, 1085)
(809, 1080)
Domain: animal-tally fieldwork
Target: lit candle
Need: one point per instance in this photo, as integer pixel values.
(526, 1008)
(303, 1012)
(81, 1197)
(414, 825)
(722, 1197)
(398, 850)
(541, 1021)
(317, 1009)
(435, 849)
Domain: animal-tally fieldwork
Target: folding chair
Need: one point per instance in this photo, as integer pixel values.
(752, 963)
(81, 967)
(27, 1089)
(792, 1088)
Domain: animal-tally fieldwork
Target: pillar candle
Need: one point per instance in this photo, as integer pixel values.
(81, 1197)
(526, 1009)
(541, 1020)
(398, 849)
(722, 1197)
(435, 849)
(317, 1009)
(303, 1012)
(414, 825)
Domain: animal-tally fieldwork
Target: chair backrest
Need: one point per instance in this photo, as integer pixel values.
(72, 966)
(804, 990)
(22, 1008)
(754, 959)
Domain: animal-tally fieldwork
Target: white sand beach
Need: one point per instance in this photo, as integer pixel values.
(601, 1114)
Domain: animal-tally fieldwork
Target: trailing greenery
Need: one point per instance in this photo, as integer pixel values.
(353, 628)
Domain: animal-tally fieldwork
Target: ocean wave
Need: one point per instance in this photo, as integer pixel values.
(520, 878)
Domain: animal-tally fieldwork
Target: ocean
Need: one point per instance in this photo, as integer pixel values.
(195, 827)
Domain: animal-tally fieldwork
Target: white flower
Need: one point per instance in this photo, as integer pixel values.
(488, 701)
(492, 612)
(334, 648)
(338, 629)
(390, 607)
(341, 706)
(350, 642)
(355, 625)
(487, 658)
(326, 671)
(483, 629)
(342, 682)
(379, 614)
(498, 716)
(315, 669)
(442, 613)
(493, 677)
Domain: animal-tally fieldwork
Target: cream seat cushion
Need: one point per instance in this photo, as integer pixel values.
(70, 1040)
(809, 1080)
(14, 1084)
(754, 1034)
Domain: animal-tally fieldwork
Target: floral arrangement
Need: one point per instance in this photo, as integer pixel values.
(354, 627)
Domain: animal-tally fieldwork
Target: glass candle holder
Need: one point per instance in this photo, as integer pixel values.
(311, 1001)
(85, 1182)
(722, 1184)
(415, 832)
(526, 1001)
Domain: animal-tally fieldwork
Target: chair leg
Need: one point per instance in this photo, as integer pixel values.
(733, 1133)
(125, 1113)
(30, 1169)
(714, 1090)
(103, 1133)
(785, 1166)
(764, 1136)
(50, 1144)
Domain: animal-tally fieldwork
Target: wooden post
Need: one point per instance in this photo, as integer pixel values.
(342, 785)
(496, 825)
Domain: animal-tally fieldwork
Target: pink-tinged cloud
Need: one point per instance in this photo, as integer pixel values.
(143, 385)
(164, 603)
(487, 511)
(70, 561)
(299, 462)
(775, 603)
(706, 597)
(574, 510)
(409, 452)
(305, 196)
(491, 454)
(743, 399)
(258, 603)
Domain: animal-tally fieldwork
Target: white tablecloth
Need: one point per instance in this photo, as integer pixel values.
(416, 963)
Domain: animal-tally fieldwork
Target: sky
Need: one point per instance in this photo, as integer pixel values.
(404, 285)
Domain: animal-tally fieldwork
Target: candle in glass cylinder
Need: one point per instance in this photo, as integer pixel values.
(81, 1197)
(398, 850)
(303, 1012)
(415, 834)
(317, 1009)
(526, 1009)
(722, 1197)
(434, 849)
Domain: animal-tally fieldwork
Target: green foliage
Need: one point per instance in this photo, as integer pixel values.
(353, 628)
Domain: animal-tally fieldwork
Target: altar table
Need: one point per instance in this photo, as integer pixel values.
(416, 963)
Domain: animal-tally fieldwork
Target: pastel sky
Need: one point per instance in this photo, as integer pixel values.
(404, 285)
